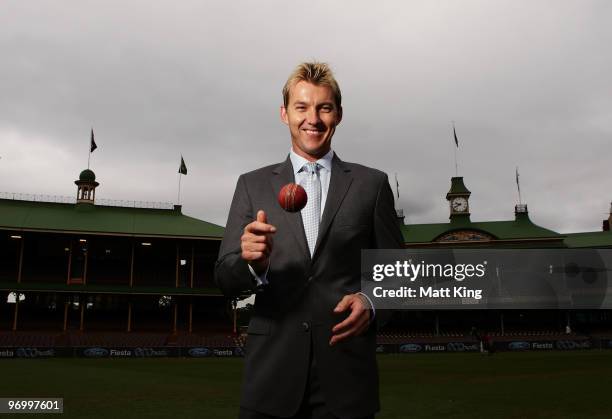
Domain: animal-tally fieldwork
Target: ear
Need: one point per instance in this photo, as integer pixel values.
(283, 115)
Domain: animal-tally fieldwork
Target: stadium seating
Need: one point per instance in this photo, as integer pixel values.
(115, 339)
(76, 339)
(41, 339)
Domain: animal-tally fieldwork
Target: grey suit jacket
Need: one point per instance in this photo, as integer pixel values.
(296, 307)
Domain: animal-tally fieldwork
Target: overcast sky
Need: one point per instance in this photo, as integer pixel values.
(528, 84)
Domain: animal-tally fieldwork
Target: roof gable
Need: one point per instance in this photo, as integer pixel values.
(521, 229)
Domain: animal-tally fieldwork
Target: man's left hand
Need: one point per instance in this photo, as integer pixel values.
(356, 323)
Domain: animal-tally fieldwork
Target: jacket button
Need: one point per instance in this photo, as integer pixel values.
(305, 326)
(310, 278)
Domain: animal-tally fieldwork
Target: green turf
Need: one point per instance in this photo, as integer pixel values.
(507, 385)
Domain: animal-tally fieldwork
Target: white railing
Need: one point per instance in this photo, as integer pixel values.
(72, 200)
(38, 197)
(134, 204)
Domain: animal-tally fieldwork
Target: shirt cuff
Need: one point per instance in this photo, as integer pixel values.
(371, 305)
(259, 279)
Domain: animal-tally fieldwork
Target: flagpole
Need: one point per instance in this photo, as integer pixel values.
(518, 186)
(89, 155)
(182, 171)
(91, 140)
(456, 147)
(179, 189)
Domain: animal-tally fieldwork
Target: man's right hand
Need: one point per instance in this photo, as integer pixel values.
(256, 243)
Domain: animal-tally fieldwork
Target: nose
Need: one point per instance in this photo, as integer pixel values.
(312, 117)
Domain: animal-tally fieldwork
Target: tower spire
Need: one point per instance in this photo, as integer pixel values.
(86, 187)
(458, 198)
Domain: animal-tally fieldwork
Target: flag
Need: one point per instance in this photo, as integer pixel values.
(397, 186)
(455, 135)
(517, 180)
(183, 169)
(92, 145)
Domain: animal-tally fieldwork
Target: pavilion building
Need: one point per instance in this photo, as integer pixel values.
(87, 266)
(520, 233)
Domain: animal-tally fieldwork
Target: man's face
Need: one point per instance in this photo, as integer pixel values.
(312, 116)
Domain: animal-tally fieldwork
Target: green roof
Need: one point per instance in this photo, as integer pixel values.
(457, 187)
(106, 289)
(96, 219)
(520, 229)
(87, 175)
(589, 239)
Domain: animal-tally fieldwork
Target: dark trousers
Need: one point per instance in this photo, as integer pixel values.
(313, 403)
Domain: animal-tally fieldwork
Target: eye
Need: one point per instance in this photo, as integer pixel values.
(326, 108)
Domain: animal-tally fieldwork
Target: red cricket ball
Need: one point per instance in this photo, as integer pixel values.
(292, 197)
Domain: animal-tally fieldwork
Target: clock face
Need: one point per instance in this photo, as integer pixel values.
(459, 204)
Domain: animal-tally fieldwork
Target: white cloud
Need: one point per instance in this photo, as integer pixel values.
(526, 83)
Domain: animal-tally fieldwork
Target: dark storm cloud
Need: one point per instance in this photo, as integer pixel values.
(527, 84)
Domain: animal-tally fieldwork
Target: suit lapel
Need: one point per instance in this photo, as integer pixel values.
(338, 186)
(283, 174)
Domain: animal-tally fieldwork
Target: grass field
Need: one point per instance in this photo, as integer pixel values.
(507, 385)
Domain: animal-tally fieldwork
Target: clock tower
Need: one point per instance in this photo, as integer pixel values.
(458, 198)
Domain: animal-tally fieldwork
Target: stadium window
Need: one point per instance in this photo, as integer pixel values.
(51, 303)
(165, 300)
(11, 297)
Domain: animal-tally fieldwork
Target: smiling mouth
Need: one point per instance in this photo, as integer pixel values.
(313, 132)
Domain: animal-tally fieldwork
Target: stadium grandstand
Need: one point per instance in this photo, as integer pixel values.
(500, 325)
(108, 273)
(87, 277)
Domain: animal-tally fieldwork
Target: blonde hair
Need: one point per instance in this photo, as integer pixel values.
(315, 73)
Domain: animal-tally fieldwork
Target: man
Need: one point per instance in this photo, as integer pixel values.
(311, 342)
